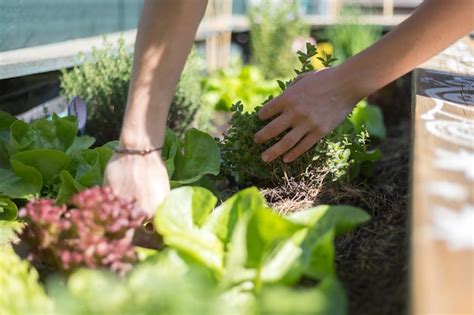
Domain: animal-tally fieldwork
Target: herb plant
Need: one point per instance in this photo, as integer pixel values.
(102, 81)
(273, 29)
(342, 154)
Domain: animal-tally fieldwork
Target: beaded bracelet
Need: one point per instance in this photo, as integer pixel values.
(137, 152)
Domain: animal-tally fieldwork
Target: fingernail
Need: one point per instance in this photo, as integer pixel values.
(265, 157)
(286, 159)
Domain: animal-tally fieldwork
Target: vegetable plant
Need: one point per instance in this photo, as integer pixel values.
(94, 230)
(246, 83)
(342, 154)
(46, 158)
(235, 258)
(21, 292)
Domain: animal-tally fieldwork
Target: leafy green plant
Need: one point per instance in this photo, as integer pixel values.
(102, 81)
(342, 154)
(273, 29)
(232, 258)
(46, 159)
(189, 160)
(21, 292)
(370, 117)
(246, 83)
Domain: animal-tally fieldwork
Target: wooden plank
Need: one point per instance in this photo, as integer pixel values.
(443, 178)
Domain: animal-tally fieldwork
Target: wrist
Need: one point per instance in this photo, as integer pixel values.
(357, 78)
(139, 139)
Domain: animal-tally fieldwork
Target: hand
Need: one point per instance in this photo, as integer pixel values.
(144, 179)
(141, 178)
(315, 104)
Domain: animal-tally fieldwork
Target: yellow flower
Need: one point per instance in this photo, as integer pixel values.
(324, 48)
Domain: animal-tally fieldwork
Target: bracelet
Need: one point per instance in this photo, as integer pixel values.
(137, 152)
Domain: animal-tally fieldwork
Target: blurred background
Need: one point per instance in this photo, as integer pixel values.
(242, 46)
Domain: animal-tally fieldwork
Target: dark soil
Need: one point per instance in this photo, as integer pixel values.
(372, 261)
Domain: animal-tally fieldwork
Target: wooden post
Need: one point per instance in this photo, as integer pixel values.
(219, 15)
(388, 7)
(442, 251)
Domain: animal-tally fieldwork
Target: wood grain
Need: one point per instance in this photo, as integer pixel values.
(442, 266)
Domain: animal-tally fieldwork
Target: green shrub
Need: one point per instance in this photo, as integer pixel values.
(273, 28)
(102, 81)
(343, 154)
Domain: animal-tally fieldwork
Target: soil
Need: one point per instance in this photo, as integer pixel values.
(372, 261)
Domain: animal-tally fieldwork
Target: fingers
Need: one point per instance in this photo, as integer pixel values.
(273, 129)
(304, 145)
(272, 108)
(282, 146)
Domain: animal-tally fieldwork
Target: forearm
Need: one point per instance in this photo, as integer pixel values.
(433, 26)
(165, 36)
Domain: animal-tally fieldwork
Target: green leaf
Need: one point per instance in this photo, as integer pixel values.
(89, 171)
(47, 162)
(328, 298)
(223, 219)
(79, 144)
(371, 117)
(179, 218)
(4, 154)
(58, 134)
(68, 187)
(324, 223)
(20, 182)
(8, 209)
(169, 150)
(6, 120)
(200, 156)
(281, 84)
(9, 231)
(21, 291)
(103, 290)
(281, 259)
(111, 145)
(265, 229)
(105, 153)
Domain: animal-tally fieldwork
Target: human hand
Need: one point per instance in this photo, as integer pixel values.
(143, 179)
(315, 104)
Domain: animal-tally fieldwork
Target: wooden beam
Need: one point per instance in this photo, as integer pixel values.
(387, 7)
(442, 224)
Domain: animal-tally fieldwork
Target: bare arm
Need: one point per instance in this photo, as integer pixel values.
(318, 102)
(165, 36)
(434, 26)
